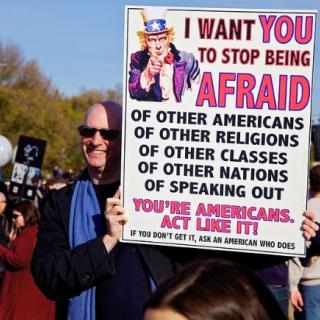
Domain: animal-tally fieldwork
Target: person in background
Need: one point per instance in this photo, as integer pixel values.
(55, 183)
(19, 296)
(78, 260)
(304, 273)
(5, 219)
(57, 171)
(213, 289)
(51, 184)
(37, 181)
(271, 269)
(5, 222)
(69, 176)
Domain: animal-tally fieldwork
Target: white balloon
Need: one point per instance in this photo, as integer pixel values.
(5, 151)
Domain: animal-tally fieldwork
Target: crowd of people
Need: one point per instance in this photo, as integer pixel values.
(78, 269)
(20, 298)
(61, 258)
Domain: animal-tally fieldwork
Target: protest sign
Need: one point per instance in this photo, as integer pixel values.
(26, 170)
(216, 132)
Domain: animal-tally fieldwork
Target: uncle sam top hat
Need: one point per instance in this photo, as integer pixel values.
(154, 19)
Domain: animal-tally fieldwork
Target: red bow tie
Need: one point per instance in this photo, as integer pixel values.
(168, 58)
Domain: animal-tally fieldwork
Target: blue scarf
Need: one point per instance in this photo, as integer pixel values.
(83, 226)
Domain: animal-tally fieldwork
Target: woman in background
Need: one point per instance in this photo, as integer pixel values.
(214, 289)
(19, 296)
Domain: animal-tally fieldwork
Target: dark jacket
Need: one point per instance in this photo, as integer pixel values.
(62, 273)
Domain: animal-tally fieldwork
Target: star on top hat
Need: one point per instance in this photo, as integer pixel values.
(154, 20)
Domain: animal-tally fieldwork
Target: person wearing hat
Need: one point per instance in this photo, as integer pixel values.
(159, 71)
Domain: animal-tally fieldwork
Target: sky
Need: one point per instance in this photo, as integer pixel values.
(78, 44)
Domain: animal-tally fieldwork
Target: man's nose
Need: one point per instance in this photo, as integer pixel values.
(158, 43)
(97, 139)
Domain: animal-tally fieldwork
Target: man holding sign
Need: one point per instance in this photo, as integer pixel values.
(78, 261)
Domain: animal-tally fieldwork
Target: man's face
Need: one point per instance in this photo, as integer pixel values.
(158, 44)
(102, 155)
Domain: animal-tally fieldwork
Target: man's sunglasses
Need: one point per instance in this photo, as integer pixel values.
(107, 134)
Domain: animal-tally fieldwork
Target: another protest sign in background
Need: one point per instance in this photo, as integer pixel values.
(223, 163)
(26, 170)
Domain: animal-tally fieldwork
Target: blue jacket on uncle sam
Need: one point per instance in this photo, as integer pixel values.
(185, 69)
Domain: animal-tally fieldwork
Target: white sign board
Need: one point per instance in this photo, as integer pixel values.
(216, 132)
